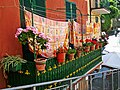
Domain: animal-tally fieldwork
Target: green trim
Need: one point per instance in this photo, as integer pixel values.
(70, 10)
(22, 18)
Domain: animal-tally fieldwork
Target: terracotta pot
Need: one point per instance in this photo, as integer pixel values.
(40, 64)
(100, 45)
(79, 53)
(97, 46)
(71, 56)
(61, 57)
(87, 49)
(92, 48)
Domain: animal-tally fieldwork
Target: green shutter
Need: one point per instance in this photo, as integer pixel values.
(40, 7)
(27, 4)
(74, 11)
(70, 10)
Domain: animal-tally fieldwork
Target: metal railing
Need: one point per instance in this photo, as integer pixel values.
(106, 80)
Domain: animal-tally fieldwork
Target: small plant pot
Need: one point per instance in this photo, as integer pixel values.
(79, 53)
(71, 56)
(40, 64)
(100, 45)
(87, 49)
(97, 46)
(61, 57)
(92, 48)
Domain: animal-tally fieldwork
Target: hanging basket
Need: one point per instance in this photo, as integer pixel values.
(61, 57)
(40, 64)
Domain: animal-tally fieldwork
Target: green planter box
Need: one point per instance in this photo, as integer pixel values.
(54, 71)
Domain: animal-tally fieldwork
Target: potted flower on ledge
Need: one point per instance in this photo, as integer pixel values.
(61, 54)
(37, 42)
(79, 51)
(71, 52)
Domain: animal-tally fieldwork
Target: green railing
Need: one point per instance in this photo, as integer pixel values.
(54, 70)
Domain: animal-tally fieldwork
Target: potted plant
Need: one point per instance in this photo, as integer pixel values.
(79, 51)
(61, 54)
(12, 63)
(93, 45)
(71, 52)
(37, 43)
(87, 46)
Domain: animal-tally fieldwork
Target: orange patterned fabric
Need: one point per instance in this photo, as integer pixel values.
(56, 30)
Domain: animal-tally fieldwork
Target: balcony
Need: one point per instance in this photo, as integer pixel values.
(98, 9)
(55, 71)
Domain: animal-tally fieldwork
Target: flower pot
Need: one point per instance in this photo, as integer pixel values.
(97, 46)
(79, 53)
(61, 57)
(40, 64)
(87, 49)
(71, 56)
(92, 48)
(100, 45)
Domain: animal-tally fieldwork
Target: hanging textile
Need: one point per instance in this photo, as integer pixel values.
(97, 30)
(77, 31)
(56, 30)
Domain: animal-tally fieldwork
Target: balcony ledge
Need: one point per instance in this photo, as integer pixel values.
(100, 11)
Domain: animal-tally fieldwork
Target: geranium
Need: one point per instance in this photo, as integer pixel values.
(32, 36)
(88, 42)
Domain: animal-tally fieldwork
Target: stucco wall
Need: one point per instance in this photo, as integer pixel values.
(59, 5)
(9, 22)
(58, 9)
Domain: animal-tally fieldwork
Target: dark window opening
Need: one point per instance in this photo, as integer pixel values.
(96, 19)
(96, 3)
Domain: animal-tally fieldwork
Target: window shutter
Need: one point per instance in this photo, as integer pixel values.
(40, 7)
(70, 10)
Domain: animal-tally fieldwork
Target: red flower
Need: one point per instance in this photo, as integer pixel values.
(77, 41)
(88, 40)
(94, 42)
(81, 40)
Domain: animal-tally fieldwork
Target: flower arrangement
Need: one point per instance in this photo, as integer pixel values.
(88, 42)
(32, 36)
(37, 41)
(61, 50)
(80, 48)
(71, 51)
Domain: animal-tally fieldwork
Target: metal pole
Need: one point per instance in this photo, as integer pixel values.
(103, 81)
(71, 88)
(112, 81)
(33, 25)
(32, 13)
(118, 79)
(91, 82)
